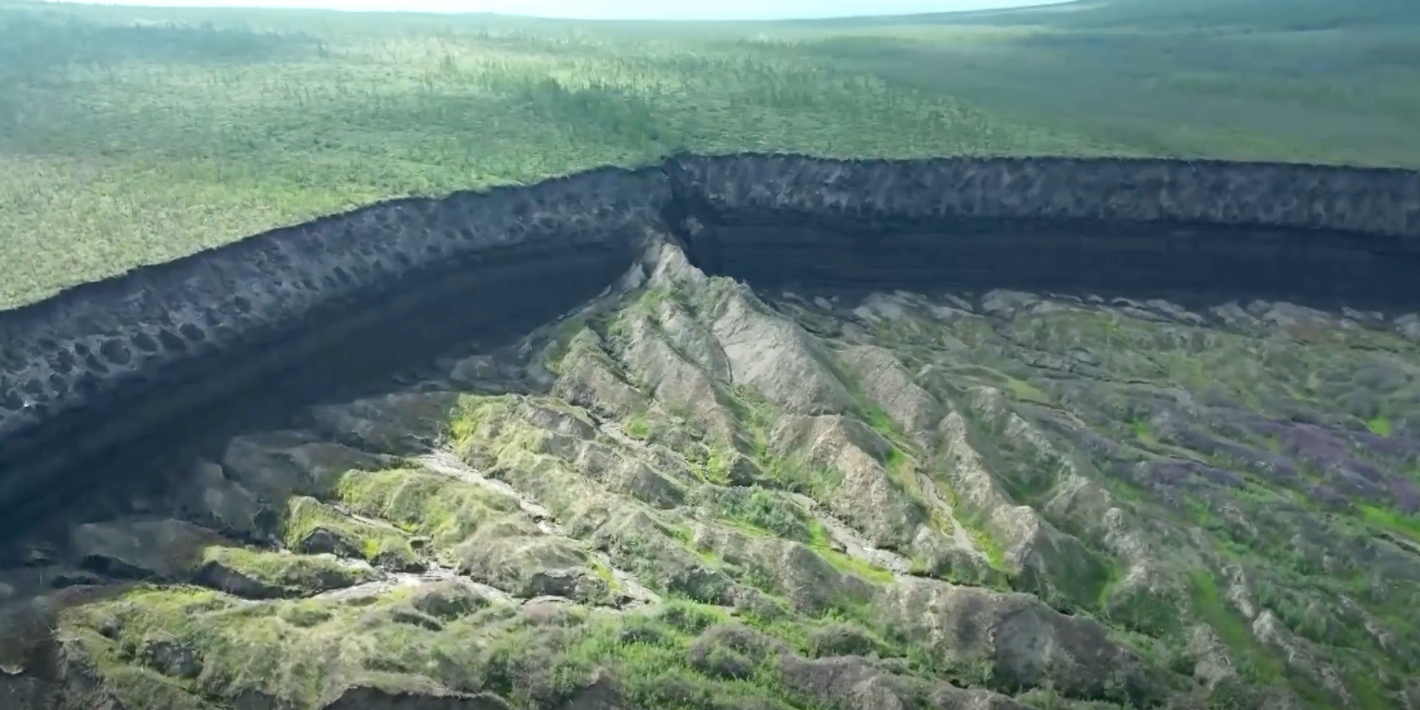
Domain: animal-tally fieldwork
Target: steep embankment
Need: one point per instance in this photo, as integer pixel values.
(171, 349)
(1140, 228)
(688, 493)
(408, 276)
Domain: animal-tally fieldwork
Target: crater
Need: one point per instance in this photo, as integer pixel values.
(402, 291)
(794, 424)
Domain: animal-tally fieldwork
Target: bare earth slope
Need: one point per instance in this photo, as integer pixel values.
(686, 494)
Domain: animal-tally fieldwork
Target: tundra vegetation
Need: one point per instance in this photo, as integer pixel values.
(132, 136)
(688, 494)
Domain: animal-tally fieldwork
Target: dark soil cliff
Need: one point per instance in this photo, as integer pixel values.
(1140, 228)
(409, 276)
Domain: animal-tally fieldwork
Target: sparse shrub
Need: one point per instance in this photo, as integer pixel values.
(843, 639)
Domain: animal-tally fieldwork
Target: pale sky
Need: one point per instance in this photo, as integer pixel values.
(625, 9)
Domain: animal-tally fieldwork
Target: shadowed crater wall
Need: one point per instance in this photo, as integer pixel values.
(100, 376)
(1199, 231)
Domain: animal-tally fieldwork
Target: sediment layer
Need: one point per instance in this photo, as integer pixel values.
(91, 371)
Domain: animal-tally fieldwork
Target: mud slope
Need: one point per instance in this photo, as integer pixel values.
(750, 432)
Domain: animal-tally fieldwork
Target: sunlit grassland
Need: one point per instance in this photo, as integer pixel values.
(1347, 95)
(132, 136)
(162, 150)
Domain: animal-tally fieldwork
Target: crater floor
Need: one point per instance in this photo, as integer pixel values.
(688, 494)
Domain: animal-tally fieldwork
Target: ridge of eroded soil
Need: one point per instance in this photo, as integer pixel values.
(690, 495)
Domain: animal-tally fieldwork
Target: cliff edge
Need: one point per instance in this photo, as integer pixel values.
(105, 363)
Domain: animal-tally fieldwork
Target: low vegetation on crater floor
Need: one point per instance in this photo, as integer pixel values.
(690, 495)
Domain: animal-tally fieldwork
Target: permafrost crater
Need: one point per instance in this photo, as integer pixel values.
(779, 431)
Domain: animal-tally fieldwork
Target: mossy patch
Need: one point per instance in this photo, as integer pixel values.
(474, 411)
(713, 463)
(1392, 521)
(314, 527)
(667, 657)
(1027, 392)
(446, 510)
(274, 573)
(813, 480)
(846, 638)
(293, 653)
(241, 646)
(1139, 610)
(766, 513)
(517, 558)
(142, 687)
(559, 344)
(1143, 433)
(983, 541)
(678, 653)
(637, 427)
(605, 574)
(1086, 580)
(848, 564)
(763, 510)
(1252, 660)
(881, 422)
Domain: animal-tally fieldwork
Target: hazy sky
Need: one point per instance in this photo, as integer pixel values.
(627, 9)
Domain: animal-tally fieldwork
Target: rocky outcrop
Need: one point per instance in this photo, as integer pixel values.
(98, 371)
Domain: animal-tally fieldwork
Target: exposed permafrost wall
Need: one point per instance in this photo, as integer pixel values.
(914, 193)
(1145, 228)
(99, 365)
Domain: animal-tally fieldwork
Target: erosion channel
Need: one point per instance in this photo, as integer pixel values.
(752, 431)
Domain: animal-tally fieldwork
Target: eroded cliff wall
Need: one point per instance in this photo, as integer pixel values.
(168, 349)
(92, 371)
(914, 194)
(1183, 230)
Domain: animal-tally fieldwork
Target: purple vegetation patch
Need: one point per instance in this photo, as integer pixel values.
(1333, 456)
(1406, 495)
(1263, 426)
(1191, 475)
(1328, 499)
(1191, 438)
(1398, 447)
(1264, 464)
(1097, 446)
(1167, 474)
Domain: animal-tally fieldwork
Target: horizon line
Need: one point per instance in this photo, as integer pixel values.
(403, 8)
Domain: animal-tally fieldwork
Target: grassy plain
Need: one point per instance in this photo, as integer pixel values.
(132, 136)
